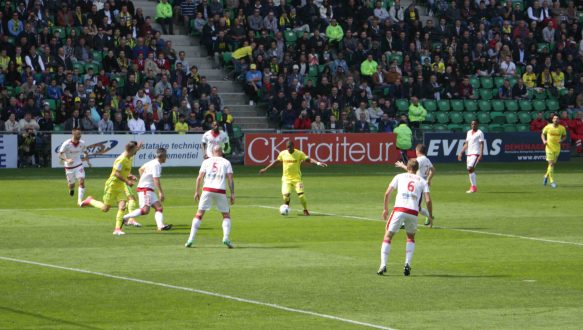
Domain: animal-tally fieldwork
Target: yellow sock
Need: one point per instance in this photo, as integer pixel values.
(286, 199)
(119, 218)
(132, 205)
(550, 172)
(303, 201)
(96, 204)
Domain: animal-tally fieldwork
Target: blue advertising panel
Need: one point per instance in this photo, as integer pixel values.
(498, 147)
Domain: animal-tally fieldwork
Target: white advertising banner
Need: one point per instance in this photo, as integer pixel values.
(183, 149)
(8, 151)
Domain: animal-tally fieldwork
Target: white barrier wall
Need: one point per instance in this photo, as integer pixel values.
(8, 151)
(183, 149)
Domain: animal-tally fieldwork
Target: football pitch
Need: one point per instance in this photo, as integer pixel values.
(510, 256)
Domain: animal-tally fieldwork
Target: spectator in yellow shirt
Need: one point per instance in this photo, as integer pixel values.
(529, 77)
(558, 78)
(181, 126)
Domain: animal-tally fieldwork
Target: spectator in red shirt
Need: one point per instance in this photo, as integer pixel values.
(537, 125)
(466, 90)
(577, 132)
(566, 121)
(303, 122)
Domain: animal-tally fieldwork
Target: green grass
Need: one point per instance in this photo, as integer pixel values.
(477, 269)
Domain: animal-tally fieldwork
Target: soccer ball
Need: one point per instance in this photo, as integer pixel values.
(284, 209)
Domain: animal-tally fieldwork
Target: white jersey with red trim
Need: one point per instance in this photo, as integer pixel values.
(152, 169)
(474, 139)
(73, 151)
(424, 166)
(216, 170)
(410, 189)
(211, 139)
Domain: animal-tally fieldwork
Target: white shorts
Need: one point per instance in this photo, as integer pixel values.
(472, 161)
(74, 174)
(396, 220)
(207, 198)
(146, 197)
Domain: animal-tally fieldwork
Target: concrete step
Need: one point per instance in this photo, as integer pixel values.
(250, 120)
(226, 86)
(251, 126)
(245, 111)
(191, 51)
(234, 98)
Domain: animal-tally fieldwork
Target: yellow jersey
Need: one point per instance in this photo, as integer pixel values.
(292, 164)
(123, 164)
(554, 137)
(242, 52)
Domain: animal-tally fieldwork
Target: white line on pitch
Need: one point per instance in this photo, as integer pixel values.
(203, 292)
(439, 227)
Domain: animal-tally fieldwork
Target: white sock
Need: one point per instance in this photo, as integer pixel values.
(385, 249)
(410, 248)
(80, 194)
(473, 178)
(195, 224)
(133, 214)
(424, 212)
(159, 216)
(226, 228)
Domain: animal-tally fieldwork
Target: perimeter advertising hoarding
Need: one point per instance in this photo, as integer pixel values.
(8, 151)
(355, 148)
(183, 149)
(499, 147)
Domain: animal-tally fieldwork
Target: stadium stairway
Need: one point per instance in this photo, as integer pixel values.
(245, 116)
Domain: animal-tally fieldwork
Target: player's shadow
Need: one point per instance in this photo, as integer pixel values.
(258, 197)
(507, 192)
(459, 276)
(263, 247)
(47, 318)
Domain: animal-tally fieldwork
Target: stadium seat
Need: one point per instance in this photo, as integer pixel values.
(471, 105)
(486, 82)
(497, 105)
(523, 128)
(553, 105)
(430, 117)
(475, 82)
(542, 47)
(513, 81)
(540, 95)
(456, 128)
(426, 128)
(525, 105)
(456, 118)
(313, 71)
(495, 128)
(443, 105)
(498, 82)
(52, 104)
(79, 66)
(486, 94)
(290, 37)
(484, 105)
(509, 128)
(430, 105)
(511, 118)
(442, 117)
(498, 117)
(469, 116)
(440, 128)
(511, 105)
(524, 117)
(402, 105)
(314, 80)
(484, 117)
(539, 105)
(97, 56)
(457, 105)
(396, 57)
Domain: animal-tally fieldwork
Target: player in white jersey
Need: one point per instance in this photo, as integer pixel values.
(426, 171)
(215, 172)
(474, 148)
(70, 154)
(149, 183)
(213, 137)
(410, 190)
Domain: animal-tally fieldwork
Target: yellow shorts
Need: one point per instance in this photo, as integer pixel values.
(552, 156)
(112, 196)
(130, 192)
(287, 186)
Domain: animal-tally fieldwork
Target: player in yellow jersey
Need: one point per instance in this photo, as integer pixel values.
(292, 160)
(553, 135)
(116, 186)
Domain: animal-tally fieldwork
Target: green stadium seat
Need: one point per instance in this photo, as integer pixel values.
(430, 117)
(486, 94)
(79, 66)
(237, 132)
(511, 105)
(440, 128)
(498, 82)
(456, 118)
(52, 104)
(580, 17)
(442, 117)
(396, 57)
(314, 80)
(511, 118)
(523, 128)
(539, 105)
(524, 117)
(525, 105)
(540, 95)
(497, 105)
(290, 36)
(313, 71)
(509, 128)
(542, 47)
(498, 117)
(457, 105)
(486, 82)
(469, 116)
(471, 105)
(484, 105)
(402, 105)
(484, 117)
(495, 128)
(426, 128)
(475, 82)
(443, 105)
(97, 56)
(553, 105)
(430, 105)
(456, 128)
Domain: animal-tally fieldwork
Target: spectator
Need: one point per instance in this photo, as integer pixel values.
(505, 91)
(105, 125)
(194, 124)
(368, 68)
(507, 67)
(362, 125)
(302, 122)
(519, 91)
(254, 83)
(164, 16)
(119, 124)
(334, 33)
(537, 124)
(28, 123)
(404, 137)
(188, 11)
(181, 127)
(577, 132)
(87, 123)
(136, 125)
(317, 125)
(417, 112)
(385, 124)
(11, 125)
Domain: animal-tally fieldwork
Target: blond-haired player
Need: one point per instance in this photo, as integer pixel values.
(410, 189)
(70, 154)
(552, 136)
